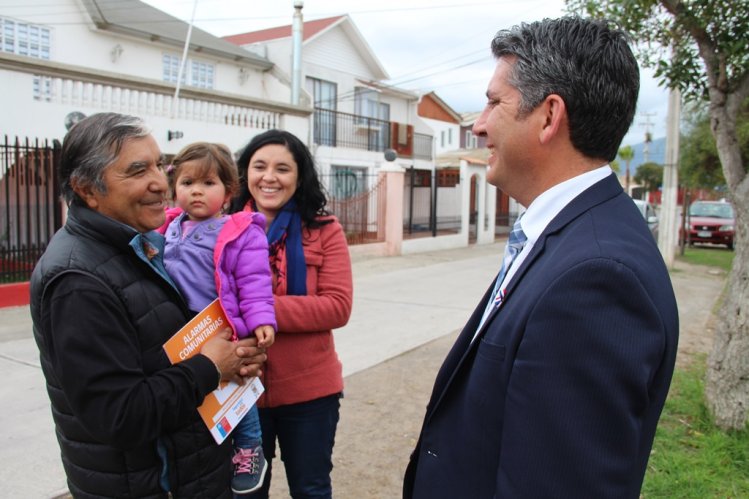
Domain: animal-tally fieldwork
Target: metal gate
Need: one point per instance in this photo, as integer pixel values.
(432, 206)
(358, 200)
(30, 206)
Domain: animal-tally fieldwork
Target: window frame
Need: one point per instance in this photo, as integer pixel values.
(197, 73)
(26, 39)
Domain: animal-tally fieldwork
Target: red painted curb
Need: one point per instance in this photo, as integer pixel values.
(14, 295)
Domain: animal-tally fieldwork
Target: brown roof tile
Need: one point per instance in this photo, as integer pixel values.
(311, 28)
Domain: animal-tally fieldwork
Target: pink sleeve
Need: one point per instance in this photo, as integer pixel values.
(171, 214)
(253, 280)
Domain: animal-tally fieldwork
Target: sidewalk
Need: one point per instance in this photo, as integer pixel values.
(400, 303)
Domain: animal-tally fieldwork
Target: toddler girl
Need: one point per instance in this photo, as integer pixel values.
(211, 254)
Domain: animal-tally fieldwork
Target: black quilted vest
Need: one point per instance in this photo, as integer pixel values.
(97, 246)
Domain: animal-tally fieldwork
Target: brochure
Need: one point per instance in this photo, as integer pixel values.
(226, 405)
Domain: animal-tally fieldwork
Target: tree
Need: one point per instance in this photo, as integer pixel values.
(614, 164)
(699, 47)
(700, 166)
(627, 154)
(650, 176)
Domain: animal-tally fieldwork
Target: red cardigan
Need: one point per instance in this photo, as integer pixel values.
(302, 363)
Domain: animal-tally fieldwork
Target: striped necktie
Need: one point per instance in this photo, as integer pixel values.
(515, 244)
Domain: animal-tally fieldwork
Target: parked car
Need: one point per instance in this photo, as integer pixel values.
(711, 222)
(648, 213)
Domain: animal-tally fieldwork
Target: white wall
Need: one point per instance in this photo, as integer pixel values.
(326, 157)
(333, 57)
(335, 51)
(440, 129)
(75, 40)
(76, 44)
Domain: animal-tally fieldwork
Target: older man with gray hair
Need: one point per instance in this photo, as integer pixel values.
(102, 307)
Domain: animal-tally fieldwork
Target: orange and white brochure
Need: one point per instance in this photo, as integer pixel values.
(226, 405)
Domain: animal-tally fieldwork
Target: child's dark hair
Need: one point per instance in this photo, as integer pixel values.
(210, 158)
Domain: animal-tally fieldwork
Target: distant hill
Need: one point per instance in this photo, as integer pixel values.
(656, 154)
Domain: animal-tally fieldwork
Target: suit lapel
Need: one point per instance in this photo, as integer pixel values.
(597, 193)
(465, 344)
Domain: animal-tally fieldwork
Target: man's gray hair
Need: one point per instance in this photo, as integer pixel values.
(588, 63)
(91, 146)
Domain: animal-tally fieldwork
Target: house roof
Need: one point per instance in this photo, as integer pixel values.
(441, 105)
(468, 119)
(312, 30)
(137, 19)
(389, 89)
(472, 156)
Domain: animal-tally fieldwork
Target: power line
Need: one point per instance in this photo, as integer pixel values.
(403, 79)
(395, 81)
(253, 17)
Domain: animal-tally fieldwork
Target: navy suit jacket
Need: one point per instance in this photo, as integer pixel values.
(560, 393)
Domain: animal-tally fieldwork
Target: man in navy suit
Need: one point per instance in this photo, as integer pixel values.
(555, 385)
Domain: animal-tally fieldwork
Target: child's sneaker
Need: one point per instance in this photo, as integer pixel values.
(249, 470)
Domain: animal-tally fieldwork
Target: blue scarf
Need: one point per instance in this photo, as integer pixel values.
(286, 231)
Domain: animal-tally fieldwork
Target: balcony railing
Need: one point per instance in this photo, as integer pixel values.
(78, 86)
(337, 129)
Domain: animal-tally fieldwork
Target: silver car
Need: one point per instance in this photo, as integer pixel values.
(648, 212)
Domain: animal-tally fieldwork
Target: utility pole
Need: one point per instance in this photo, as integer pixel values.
(667, 232)
(648, 136)
(183, 61)
(297, 37)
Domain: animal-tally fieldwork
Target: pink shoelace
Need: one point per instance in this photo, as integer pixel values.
(246, 461)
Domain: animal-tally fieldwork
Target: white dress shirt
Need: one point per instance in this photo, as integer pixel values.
(545, 207)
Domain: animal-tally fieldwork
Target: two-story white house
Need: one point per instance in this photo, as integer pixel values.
(356, 116)
(74, 57)
(63, 60)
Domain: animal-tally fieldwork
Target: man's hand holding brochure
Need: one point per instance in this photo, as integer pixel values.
(224, 407)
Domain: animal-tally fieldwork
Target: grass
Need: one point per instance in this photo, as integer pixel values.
(691, 458)
(712, 256)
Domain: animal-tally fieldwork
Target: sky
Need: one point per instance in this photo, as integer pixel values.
(424, 45)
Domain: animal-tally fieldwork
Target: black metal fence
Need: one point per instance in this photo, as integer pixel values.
(30, 210)
(336, 129)
(433, 204)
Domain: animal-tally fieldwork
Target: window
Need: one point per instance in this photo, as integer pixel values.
(324, 93)
(325, 96)
(170, 68)
(368, 104)
(367, 108)
(471, 140)
(384, 111)
(198, 74)
(442, 138)
(20, 38)
(201, 75)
